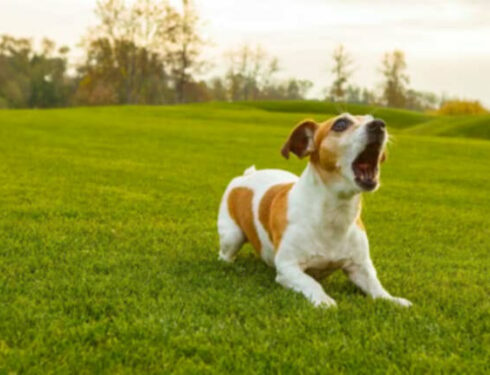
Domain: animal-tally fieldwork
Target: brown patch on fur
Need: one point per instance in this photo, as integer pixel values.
(320, 135)
(273, 211)
(325, 156)
(328, 157)
(240, 208)
(327, 149)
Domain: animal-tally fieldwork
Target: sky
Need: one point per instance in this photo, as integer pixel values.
(446, 43)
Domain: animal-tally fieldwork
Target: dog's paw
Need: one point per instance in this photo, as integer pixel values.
(226, 258)
(401, 301)
(325, 302)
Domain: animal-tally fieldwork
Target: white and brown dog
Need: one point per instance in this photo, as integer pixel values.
(310, 226)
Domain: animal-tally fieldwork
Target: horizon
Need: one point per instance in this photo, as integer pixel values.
(443, 41)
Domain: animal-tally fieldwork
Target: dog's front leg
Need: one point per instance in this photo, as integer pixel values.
(364, 276)
(292, 276)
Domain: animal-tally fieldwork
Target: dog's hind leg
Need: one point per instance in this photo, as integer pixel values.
(231, 240)
(231, 237)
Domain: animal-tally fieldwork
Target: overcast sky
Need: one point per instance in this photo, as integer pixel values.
(447, 43)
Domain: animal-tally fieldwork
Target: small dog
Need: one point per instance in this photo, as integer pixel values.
(309, 226)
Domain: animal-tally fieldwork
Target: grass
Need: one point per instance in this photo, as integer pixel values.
(108, 250)
(397, 118)
(476, 126)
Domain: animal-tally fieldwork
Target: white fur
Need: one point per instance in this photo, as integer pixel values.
(321, 230)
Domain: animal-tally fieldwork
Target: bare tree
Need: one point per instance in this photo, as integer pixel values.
(341, 72)
(186, 47)
(250, 72)
(395, 79)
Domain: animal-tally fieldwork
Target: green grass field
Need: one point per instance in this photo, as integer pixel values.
(108, 247)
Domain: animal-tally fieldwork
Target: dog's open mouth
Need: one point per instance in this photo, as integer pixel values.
(365, 166)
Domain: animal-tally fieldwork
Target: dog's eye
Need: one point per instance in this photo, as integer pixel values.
(340, 125)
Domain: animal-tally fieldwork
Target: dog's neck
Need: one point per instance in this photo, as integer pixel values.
(327, 202)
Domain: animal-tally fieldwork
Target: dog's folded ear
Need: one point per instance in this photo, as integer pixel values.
(301, 140)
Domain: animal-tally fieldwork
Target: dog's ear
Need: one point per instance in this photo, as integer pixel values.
(301, 140)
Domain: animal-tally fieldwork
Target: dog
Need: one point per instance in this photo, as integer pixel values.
(309, 226)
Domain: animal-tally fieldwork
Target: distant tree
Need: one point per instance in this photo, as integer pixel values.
(185, 49)
(297, 89)
(341, 72)
(145, 52)
(395, 79)
(420, 101)
(368, 96)
(49, 85)
(32, 78)
(198, 92)
(250, 73)
(122, 73)
(217, 87)
(353, 94)
(15, 80)
(359, 95)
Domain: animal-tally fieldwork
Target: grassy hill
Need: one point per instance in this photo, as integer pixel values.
(397, 118)
(108, 248)
(454, 126)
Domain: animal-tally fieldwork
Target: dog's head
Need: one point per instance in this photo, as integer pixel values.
(345, 151)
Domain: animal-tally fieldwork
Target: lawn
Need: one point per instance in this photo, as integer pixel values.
(108, 248)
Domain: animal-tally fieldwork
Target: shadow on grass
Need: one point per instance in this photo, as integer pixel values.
(249, 279)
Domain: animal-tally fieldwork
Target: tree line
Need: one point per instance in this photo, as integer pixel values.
(148, 52)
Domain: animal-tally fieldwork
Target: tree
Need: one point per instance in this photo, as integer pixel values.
(146, 52)
(15, 85)
(297, 89)
(368, 96)
(132, 46)
(421, 101)
(395, 79)
(341, 72)
(121, 73)
(32, 78)
(353, 94)
(49, 84)
(185, 48)
(250, 73)
(218, 90)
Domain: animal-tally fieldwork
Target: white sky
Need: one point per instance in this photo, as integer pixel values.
(446, 42)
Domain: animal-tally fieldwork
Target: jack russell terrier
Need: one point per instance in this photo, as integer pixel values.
(309, 226)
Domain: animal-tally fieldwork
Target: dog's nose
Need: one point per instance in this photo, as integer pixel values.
(376, 125)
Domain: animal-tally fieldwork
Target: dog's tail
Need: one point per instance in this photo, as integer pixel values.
(249, 171)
